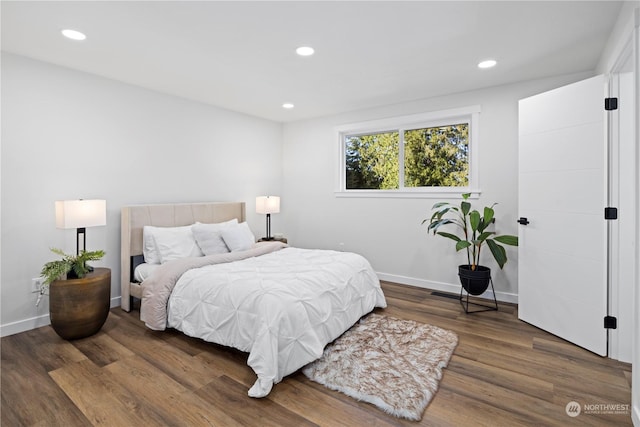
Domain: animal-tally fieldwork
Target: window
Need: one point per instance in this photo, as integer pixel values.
(417, 155)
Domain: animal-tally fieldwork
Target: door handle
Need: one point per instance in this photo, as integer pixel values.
(523, 221)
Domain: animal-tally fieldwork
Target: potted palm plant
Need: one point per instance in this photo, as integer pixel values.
(475, 234)
(79, 295)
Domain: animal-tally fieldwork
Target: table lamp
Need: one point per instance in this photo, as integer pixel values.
(268, 205)
(80, 214)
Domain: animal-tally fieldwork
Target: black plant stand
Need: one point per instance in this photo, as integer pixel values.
(484, 306)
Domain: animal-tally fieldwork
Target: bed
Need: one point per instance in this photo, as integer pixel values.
(280, 304)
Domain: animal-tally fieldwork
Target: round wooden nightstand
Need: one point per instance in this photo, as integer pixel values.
(79, 307)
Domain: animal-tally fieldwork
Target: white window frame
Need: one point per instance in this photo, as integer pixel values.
(470, 115)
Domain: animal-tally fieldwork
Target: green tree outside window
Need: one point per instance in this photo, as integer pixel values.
(437, 156)
(433, 157)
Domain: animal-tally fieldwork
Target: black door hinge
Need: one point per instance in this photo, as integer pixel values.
(610, 104)
(610, 213)
(610, 322)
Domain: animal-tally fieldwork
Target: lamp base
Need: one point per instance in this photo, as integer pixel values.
(273, 239)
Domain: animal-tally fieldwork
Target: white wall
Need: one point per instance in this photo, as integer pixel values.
(69, 135)
(389, 231)
(620, 35)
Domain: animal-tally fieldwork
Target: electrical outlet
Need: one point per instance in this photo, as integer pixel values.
(36, 284)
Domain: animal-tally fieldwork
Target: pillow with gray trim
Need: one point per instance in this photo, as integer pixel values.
(238, 237)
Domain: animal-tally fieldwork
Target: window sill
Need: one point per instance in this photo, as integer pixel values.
(409, 194)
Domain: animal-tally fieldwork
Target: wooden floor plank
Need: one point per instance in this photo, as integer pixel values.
(226, 393)
(230, 362)
(103, 402)
(504, 372)
(515, 381)
(52, 352)
(175, 404)
(296, 395)
(29, 395)
(101, 349)
(538, 411)
(593, 377)
(449, 408)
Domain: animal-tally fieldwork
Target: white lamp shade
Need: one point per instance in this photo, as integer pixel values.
(267, 204)
(81, 213)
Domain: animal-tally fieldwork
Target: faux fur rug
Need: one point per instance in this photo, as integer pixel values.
(394, 364)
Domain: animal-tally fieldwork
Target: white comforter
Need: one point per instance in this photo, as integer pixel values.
(282, 307)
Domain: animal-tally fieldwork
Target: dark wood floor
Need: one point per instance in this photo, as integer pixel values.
(503, 373)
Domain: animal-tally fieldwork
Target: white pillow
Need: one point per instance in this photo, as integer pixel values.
(172, 242)
(149, 249)
(238, 237)
(144, 271)
(209, 238)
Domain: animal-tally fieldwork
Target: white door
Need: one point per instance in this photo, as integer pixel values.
(562, 268)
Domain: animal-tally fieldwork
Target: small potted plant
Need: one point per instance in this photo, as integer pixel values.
(475, 231)
(79, 296)
(69, 267)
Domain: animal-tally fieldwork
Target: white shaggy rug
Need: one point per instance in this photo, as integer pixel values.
(394, 364)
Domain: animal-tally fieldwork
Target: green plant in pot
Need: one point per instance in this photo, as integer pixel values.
(69, 267)
(475, 234)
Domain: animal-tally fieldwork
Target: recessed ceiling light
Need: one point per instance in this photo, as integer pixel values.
(73, 35)
(487, 64)
(305, 51)
(287, 105)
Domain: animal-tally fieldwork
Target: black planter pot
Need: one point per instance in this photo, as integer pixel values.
(475, 282)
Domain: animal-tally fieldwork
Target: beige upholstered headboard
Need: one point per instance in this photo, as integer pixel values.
(134, 218)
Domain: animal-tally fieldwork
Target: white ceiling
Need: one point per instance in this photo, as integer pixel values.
(241, 55)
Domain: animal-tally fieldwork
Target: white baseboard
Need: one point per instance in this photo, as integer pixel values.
(36, 322)
(444, 287)
(24, 325)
